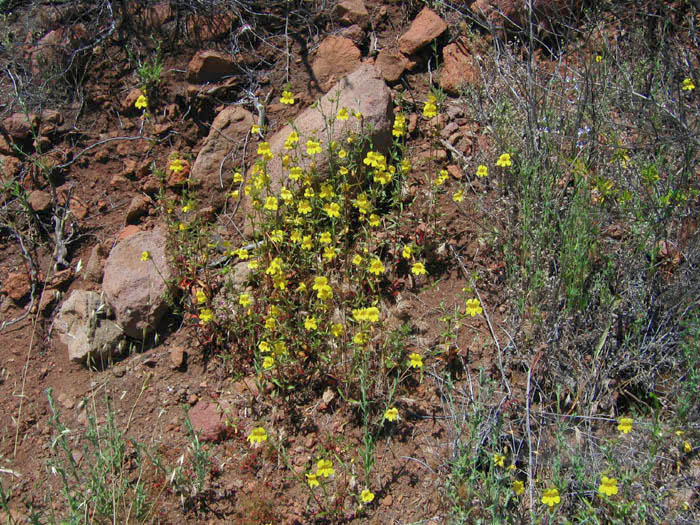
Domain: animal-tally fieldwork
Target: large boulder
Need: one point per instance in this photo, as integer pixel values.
(82, 325)
(336, 57)
(134, 288)
(365, 91)
(210, 170)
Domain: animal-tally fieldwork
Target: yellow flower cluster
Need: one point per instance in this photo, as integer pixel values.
(370, 314)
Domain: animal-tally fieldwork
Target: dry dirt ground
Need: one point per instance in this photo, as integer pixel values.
(147, 395)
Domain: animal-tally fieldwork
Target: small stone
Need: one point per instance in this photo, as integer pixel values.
(454, 171)
(177, 357)
(392, 63)
(335, 58)
(426, 27)
(137, 208)
(388, 500)
(352, 12)
(209, 66)
(17, 286)
(208, 422)
(39, 201)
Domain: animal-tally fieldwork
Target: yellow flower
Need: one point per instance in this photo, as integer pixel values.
(405, 166)
(176, 165)
(244, 300)
(306, 243)
(255, 129)
(205, 316)
(399, 128)
(551, 497)
(474, 307)
(625, 424)
(482, 171)
(301, 287)
(237, 177)
(325, 238)
(499, 460)
(200, 296)
(270, 323)
(326, 191)
(268, 362)
(342, 154)
(376, 267)
(458, 197)
(504, 160)
(277, 236)
(608, 486)
(337, 329)
(242, 254)
(366, 496)
(407, 252)
(357, 259)
(518, 487)
(295, 173)
(360, 338)
(374, 220)
(429, 109)
(304, 207)
(271, 203)
(310, 323)
(324, 293)
(332, 209)
(382, 177)
(291, 140)
(257, 435)
(264, 347)
(141, 102)
(146, 256)
(313, 147)
(280, 348)
(286, 195)
(182, 226)
(329, 253)
(687, 447)
(287, 98)
(254, 264)
(295, 236)
(418, 269)
(342, 114)
(598, 58)
(264, 150)
(362, 203)
(416, 360)
(324, 468)
(312, 480)
(235, 194)
(275, 266)
(391, 414)
(375, 160)
(357, 115)
(687, 85)
(439, 181)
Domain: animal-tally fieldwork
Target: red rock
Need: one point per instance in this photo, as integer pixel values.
(426, 27)
(19, 126)
(352, 12)
(127, 231)
(177, 356)
(209, 66)
(392, 63)
(335, 58)
(458, 68)
(5, 148)
(205, 28)
(208, 422)
(354, 33)
(137, 208)
(78, 208)
(39, 201)
(17, 286)
(128, 103)
(135, 289)
(9, 166)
